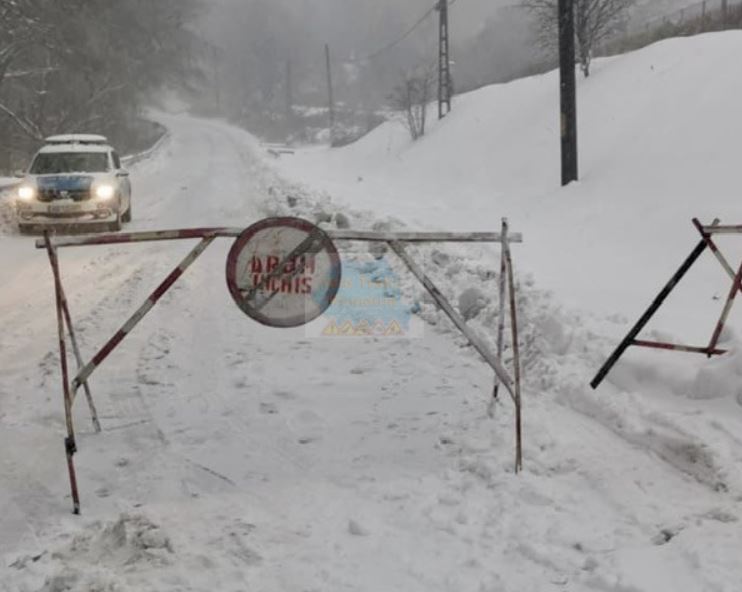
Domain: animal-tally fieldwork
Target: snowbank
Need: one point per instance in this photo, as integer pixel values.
(7, 217)
(659, 143)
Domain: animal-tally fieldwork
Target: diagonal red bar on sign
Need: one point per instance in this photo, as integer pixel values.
(303, 247)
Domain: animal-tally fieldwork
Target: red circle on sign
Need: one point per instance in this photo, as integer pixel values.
(283, 272)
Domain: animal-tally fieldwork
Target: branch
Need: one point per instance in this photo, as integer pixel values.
(28, 127)
(101, 92)
(22, 73)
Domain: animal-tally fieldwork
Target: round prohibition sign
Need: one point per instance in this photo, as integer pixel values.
(283, 272)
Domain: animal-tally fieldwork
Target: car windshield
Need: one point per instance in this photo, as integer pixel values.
(54, 163)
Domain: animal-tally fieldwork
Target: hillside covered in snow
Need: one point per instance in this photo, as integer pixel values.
(235, 457)
(659, 137)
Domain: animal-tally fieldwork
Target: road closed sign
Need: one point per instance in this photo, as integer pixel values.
(283, 272)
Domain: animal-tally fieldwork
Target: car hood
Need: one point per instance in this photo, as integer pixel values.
(74, 182)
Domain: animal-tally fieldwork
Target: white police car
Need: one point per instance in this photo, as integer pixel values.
(74, 179)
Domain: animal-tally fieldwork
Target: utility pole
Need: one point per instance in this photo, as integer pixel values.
(445, 89)
(330, 98)
(217, 80)
(289, 91)
(568, 91)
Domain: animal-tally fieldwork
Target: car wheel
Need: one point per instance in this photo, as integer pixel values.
(127, 215)
(116, 226)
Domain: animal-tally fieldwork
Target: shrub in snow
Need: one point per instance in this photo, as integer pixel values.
(472, 301)
(410, 99)
(554, 336)
(440, 258)
(341, 220)
(719, 377)
(356, 529)
(7, 218)
(378, 250)
(382, 226)
(321, 216)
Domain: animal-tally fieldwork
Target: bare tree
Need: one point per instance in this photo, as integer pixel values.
(82, 65)
(411, 99)
(595, 20)
(20, 27)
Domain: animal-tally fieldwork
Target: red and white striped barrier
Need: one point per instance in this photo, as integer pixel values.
(395, 240)
(134, 320)
(711, 349)
(335, 234)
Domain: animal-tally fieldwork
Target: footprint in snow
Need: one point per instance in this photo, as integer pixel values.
(268, 408)
(286, 395)
(308, 426)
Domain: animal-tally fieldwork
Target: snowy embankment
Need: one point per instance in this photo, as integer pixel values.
(6, 208)
(235, 457)
(659, 145)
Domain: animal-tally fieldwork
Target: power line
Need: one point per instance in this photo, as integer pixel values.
(398, 40)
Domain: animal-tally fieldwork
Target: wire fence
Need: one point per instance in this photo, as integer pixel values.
(700, 17)
(711, 11)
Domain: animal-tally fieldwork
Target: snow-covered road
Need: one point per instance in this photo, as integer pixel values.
(235, 457)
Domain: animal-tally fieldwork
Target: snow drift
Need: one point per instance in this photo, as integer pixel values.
(236, 457)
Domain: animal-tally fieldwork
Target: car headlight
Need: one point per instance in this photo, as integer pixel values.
(26, 192)
(105, 192)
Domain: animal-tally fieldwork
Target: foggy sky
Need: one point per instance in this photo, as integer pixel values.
(330, 18)
(254, 40)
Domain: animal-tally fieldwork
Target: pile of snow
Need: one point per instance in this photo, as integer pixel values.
(103, 557)
(7, 217)
(659, 139)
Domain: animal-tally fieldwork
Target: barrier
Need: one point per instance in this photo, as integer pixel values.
(291, 247)
(711, 349)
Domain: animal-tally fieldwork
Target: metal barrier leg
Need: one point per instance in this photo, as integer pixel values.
(501, 296)
(736, 286)
(73, 339)
(69, 442)
(516, 358)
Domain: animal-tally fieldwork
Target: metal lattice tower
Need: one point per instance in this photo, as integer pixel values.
(445, 89)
